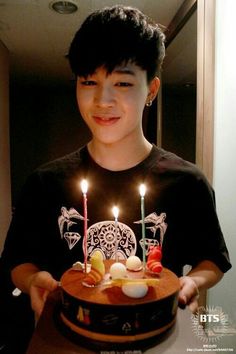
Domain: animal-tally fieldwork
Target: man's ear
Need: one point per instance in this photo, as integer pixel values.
(153, 89)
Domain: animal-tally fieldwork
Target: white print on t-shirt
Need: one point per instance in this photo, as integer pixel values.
(112, 240)
(65, 222)
(158, 222)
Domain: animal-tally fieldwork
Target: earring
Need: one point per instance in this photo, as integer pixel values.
(148, 104)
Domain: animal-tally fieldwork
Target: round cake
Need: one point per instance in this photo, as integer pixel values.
(105, 313)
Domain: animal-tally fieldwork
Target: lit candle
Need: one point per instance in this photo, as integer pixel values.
(115, 211)
(84, 188)
(142, 191)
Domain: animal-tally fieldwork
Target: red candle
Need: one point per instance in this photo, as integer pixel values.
(84, 188)
(115, 211)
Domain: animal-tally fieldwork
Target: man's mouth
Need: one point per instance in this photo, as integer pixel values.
(104, 120)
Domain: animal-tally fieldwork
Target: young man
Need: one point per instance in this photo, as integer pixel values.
(115, 55)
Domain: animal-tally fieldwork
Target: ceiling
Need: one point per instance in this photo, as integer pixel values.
(38, 38)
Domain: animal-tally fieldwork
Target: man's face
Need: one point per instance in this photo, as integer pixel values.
(112, 104)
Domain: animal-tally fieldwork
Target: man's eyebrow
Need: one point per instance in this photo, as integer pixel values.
(124, 71)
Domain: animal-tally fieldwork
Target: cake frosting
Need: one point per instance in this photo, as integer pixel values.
(130, 306)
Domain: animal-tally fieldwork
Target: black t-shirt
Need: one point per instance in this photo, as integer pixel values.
(48, 225)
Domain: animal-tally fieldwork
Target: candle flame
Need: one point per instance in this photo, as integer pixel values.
(142, 190)
(115, 211)
(84, 186)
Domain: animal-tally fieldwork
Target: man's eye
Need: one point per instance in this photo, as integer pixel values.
(88, 83)
(124, 84)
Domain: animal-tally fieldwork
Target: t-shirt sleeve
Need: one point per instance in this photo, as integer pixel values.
(21, 245)
(203, 237)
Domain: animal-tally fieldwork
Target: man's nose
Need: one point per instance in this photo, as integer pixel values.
(105, 96)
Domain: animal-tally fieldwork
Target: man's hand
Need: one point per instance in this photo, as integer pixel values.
(205, 275)
(189, 293)
(40, 285)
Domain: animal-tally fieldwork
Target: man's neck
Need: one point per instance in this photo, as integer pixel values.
(117, 157)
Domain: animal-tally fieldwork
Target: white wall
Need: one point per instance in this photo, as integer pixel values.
(224, 172)
(5, 188)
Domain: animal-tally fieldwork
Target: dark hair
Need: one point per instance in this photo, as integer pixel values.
(116, 35)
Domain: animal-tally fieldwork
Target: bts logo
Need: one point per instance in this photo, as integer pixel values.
(204, 318)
